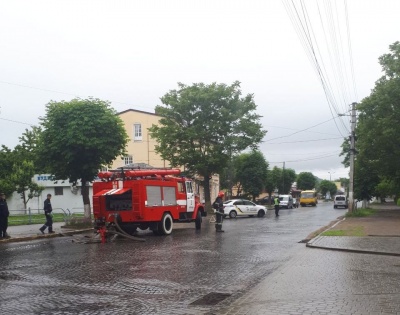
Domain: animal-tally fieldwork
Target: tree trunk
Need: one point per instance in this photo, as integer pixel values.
(207, 195)
(365, 203)
(86, 200)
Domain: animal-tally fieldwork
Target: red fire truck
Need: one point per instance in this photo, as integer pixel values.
(145, 198)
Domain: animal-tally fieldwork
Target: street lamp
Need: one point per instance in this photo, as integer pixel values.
(330, 173)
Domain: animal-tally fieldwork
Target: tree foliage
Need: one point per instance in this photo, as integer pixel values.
(306, 181)
(6, 164)
(378, 129)
(253, 173)
(203, 126)
(18, 167)
(283, 179)
(325, 186)
(78, 138)
(21, 178)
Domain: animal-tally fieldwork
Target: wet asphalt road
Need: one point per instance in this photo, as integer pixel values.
(163, 275)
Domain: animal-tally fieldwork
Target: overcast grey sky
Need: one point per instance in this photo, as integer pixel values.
(133, 52)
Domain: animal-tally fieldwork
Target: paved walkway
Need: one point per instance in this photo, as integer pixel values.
(19, 233)
(380, 233)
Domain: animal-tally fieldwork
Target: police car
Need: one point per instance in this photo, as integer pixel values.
(243, 207)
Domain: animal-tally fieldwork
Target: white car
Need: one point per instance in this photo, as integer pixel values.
(243, 207)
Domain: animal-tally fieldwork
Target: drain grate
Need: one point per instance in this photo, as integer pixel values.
(212, 298)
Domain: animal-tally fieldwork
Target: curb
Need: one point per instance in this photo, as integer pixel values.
(359, 251)
(38, 237)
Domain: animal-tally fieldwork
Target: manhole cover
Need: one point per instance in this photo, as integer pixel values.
(212, 298)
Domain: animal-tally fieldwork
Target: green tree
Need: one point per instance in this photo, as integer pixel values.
(386, 188)
(325, 186)
(283, 179)
(6, 164)
(17, 167)
(344, 182)
(379, 127)
(21, 178)
(345, 152)
(306, 181)
(253, 173)
(202, 126)
(78, 138)
(26, 150)
(269, 186)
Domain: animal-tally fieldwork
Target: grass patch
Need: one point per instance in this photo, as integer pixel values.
(363, 212)
(26, 219)
(357, 231)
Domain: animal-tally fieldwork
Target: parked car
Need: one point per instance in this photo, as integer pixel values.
(286, 201)
(340, 201)
(243, 207)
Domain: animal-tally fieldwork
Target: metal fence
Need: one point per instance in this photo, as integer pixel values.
(35, 216)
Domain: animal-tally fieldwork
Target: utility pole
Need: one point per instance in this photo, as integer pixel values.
(352, 155)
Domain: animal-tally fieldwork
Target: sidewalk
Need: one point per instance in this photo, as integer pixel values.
(378, 234)
(29, 232)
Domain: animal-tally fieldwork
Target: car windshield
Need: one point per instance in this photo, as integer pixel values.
(283, 198)
(341, 198)
(307, 195)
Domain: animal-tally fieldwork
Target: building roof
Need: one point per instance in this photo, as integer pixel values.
(137, 111)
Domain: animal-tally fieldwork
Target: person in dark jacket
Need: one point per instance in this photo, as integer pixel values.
(219, 211)
(49, 215)
(4, 213)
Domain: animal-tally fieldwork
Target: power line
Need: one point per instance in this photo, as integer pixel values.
(18, 122)
(333, 37)
(300, 130)
(326, 139)
(65, 93)
(303, 160)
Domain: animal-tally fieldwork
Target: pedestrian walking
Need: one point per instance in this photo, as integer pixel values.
(218, 205)
(4, 213)
(276, 205)
(49, 215)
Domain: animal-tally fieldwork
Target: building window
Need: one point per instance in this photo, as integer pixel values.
(137, 132)
(58, 191)
(128, 159)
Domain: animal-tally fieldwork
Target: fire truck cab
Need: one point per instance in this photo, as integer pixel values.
(146, 198)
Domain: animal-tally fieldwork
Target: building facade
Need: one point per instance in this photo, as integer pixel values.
(141, 147)
(65, 197)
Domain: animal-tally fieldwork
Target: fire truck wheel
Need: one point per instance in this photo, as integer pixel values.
(198, 220)
(166, 224)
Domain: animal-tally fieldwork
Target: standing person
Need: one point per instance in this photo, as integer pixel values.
(49, 216)
(4, 213)
(276, 204)
(219, 211)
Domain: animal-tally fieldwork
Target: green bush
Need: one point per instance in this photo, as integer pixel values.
(398, 202)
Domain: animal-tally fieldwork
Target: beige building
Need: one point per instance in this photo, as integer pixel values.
(141, 147)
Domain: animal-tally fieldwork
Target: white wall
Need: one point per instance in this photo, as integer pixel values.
(70, 199)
